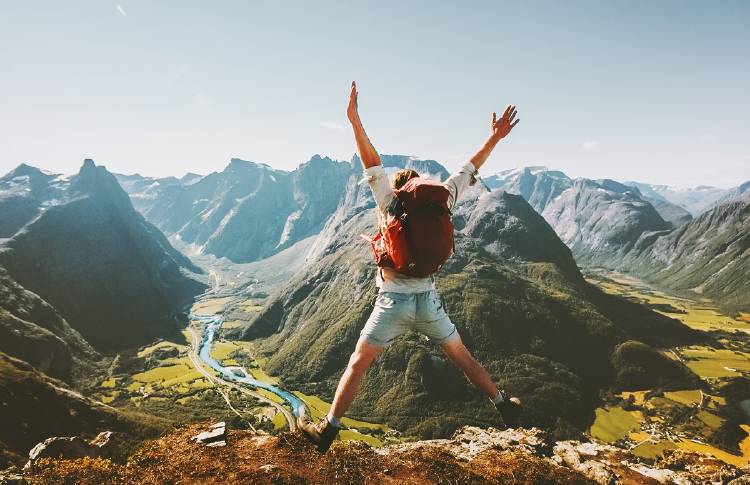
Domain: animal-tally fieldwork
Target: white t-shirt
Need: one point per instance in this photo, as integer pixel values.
(389, 279)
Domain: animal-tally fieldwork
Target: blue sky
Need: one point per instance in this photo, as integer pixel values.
(653, 91)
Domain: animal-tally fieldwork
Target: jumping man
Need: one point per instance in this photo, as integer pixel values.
(408, 302)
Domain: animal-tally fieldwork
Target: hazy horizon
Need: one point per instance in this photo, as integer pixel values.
(485, 174)
(652, 92)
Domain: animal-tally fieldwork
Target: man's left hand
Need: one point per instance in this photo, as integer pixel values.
(501, 127)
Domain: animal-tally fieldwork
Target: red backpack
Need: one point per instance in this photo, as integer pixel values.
(418, 239)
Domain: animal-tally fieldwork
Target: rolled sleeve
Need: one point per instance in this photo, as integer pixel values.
(380, 186)
(459, 181)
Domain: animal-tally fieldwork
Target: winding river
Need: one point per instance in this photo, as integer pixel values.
(234, 373)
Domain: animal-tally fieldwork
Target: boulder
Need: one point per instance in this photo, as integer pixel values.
(72, 447)
(214, 437)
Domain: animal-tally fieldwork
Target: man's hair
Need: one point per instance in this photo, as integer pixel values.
(402, 176)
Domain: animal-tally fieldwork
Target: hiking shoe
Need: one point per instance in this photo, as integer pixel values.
(322, 434)
(510, 409)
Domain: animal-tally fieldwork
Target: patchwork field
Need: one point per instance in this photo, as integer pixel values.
(700, 315)
(685, 419)
(614, 424)
(211, 307)
(709, 362)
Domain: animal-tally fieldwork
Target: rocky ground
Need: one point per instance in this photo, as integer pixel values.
(471, 456)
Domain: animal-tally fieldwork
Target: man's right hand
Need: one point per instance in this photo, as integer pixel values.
(351, 110)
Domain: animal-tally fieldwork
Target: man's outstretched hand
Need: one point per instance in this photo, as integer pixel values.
(500, 127)
(351, 110)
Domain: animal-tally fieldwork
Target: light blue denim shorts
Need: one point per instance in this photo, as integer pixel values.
(396, 313)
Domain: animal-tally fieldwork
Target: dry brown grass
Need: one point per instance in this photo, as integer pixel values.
(290, 459)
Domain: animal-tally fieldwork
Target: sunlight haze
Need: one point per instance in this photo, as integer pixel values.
(648, 91)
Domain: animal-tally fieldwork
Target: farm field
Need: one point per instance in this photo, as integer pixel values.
(655, 430)
(708, 362)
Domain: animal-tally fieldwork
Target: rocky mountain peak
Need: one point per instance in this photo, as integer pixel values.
(26, 178)
(423, 167)
(190, 177)
(537, 184)
(509, 228)
(88, 164)
(97, 181)
(609, 184)
(239, 165)
(24, 170)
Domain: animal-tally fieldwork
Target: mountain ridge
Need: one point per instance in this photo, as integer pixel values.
(86, 251)
(514, 291)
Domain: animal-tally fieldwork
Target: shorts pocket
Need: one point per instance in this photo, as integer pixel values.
(384, 301)
(436, 303)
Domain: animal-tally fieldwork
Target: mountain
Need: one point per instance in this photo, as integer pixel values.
(601, 221)
(32, 330)
(569, 206)
(514, 291)
(24, 193)
(247, 212)
(36, 407)
(644, 229)
(84, 250)
(741, 192)
(672, 213)
(709, 256)
(538, 185)
(695, 200)
(426, 168)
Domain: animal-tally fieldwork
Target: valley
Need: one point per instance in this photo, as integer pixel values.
(220, 375)
(252, 322)
(649, 421)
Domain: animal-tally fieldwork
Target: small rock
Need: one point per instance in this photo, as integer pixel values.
(728, 473)
(11, 478)
(217, 433)
(268, 468)
(743, 480)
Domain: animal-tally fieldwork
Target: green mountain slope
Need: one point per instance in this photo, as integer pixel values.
(113, 276)
(709, 256)
(31, 330)
(35, 407)
(515, 294)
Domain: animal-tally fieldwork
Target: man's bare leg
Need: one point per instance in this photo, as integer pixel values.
(362, 357)
(473, 370)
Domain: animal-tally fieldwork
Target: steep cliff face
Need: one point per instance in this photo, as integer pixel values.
(113, 276)
(512, 288)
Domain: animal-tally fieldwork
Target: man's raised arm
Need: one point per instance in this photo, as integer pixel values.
(465, 176)
(499, 130)
(367, 152)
